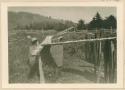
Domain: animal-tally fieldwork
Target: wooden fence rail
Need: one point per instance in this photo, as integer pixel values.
(85, 40)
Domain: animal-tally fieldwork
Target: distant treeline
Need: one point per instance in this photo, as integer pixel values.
(29, 21)
(98, 23)
(46, 26)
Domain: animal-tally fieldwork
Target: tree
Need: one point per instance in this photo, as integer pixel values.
(81, 25)
(97, 22)
(110, 22)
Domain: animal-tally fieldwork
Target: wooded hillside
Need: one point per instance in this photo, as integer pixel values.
(29, 21)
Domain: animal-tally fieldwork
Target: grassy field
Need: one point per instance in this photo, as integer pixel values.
(75, 68)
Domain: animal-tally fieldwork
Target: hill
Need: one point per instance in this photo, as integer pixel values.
(26, 20)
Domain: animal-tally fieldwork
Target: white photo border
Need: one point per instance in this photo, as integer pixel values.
(4, 42)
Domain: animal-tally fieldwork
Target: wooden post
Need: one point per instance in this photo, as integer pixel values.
(96, 30)
(86, 48)
(100, 62)
(110, 61)
(42, 79)
(115, 61)
(111, 30)
(95, 57)
(112, 76)
(106, 60)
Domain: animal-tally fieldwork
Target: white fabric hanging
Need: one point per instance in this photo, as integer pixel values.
(57, 54)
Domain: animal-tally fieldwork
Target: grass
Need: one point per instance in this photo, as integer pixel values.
(18, 54)
(75, 68)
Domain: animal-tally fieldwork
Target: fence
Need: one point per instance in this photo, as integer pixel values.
(103, 57)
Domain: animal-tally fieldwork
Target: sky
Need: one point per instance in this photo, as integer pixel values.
(68, 13)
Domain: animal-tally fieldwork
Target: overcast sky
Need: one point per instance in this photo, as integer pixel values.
(68, 13)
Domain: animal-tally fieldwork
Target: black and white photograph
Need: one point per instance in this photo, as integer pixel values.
(62, 44)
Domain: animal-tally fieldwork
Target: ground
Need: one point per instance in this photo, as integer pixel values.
(75, 70)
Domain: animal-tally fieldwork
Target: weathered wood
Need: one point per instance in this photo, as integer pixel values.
(115, 61)
(100, 62)
(85, 40)
(95, 58)
(110, 61)
(41, 72)
(95, 45)
(112, 76)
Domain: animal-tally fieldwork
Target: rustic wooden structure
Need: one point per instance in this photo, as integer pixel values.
(103, 46)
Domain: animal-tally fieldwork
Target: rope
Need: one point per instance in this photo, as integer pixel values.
(85, 40)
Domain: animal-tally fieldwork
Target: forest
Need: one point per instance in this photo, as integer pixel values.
(30, 21)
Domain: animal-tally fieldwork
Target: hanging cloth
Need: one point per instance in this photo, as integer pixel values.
(57, 54)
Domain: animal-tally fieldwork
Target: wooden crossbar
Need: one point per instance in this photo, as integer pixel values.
(85, 40)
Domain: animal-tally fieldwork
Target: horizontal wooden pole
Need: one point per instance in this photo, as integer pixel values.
(77, 41)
